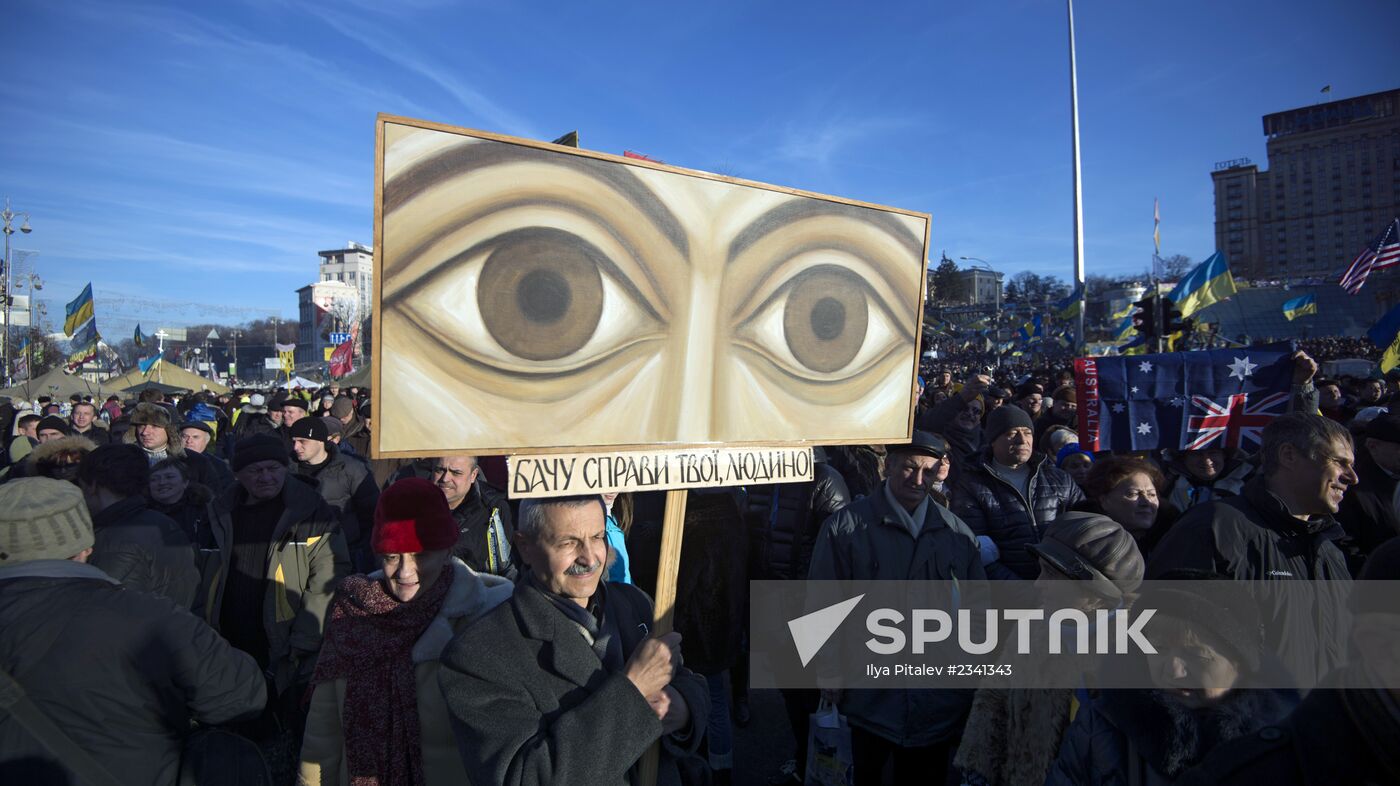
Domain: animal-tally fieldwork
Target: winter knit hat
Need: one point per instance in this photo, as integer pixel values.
(42, 518)
(1093, 548)
(309, 428)
(333, 426)
(1072, 449)
(412, 517)
(261, 447)
(1006, 417)
(52, 423)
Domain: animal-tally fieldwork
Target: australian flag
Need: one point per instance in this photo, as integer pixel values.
(1217, 398)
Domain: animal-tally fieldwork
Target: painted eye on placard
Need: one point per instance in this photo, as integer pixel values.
(824, 324)
(536, 300)
(541, 294)
(825, 318)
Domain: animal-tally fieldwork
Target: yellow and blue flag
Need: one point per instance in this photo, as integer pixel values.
(1209, 282)
(1386, 334)
(1300, 306)
(146, 364)
(78, 312)
(1070, 305)
(1031, 330)
(139, 338)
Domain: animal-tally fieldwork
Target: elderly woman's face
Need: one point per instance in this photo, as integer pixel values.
(405, 575)
(1188, 667)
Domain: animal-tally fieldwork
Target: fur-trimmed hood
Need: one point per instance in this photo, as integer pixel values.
(49, 451)
(471, 596)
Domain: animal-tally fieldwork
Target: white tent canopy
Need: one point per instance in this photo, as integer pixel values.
(299, 381)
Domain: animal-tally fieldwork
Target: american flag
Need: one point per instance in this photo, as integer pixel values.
(1381, 253)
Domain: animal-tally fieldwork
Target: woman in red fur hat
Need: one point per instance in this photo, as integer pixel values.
(377, 715)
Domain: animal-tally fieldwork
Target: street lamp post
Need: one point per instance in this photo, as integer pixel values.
(9, 216)
(996, 313)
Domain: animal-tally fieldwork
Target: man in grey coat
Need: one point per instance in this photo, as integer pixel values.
(900, 534)
(563, 684)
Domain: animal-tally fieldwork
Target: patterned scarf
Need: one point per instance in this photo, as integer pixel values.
(369, 643)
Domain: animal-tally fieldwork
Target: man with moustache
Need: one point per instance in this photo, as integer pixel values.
(1279, 535)
(562, 684)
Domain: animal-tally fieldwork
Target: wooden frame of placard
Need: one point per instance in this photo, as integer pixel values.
(378, 337)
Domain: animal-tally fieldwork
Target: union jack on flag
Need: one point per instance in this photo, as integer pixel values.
(1381, 253)
(1235, 419)
(1182, 400)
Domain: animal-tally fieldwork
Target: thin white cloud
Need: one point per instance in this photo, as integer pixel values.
(495, 116)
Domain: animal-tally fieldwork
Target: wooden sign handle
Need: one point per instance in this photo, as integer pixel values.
(668, 568)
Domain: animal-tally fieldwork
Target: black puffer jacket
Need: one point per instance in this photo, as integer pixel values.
(783, 520)
(122, 673)
(145, 550)
(992, 507)
(1292, 567)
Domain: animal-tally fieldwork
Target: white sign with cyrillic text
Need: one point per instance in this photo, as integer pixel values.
(561, 474)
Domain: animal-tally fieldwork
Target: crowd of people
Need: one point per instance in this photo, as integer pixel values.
(207, 588)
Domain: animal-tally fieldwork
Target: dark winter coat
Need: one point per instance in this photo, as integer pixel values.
(1368, 513)
(145, 550)
(305, 562)
(942, 419)
(712, 586)
(531, 704)
(346, 484)
(356, 436)
(484, 547)
(192, 513)
(121, 672)
(784, 519)
(1128, 737)
(992, 507)
(1334, 738)
(866, 541)
(1253, 538)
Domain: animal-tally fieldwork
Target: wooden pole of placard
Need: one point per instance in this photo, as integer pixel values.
(672, 528)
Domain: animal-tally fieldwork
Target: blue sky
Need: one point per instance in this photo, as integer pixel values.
(190, 159)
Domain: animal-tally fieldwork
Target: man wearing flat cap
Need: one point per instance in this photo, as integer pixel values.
(1009, 492)
(900, 533)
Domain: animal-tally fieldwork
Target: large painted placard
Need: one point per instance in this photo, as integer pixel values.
(531, 297)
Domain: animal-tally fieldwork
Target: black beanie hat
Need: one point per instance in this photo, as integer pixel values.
(1006, 417)
(309, 428)
(262, 447)
(53, 423)
(296, 401)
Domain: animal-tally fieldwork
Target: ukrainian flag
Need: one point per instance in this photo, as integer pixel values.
(146, 364)
(139, 338)
(1210, 282)
(1069, 307)
(78, 312)
(1300, 306)
(1032, 329)
(1386, 333)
